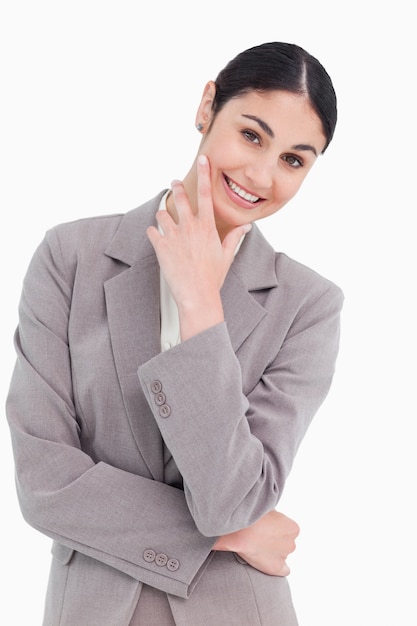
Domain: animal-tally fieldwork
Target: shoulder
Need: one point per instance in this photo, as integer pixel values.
(293, 274)
(90, 232)
(305, 291)
(89, 246)
(92, 236)
(261, 267)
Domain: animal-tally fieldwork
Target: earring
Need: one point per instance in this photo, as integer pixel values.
(199, 127)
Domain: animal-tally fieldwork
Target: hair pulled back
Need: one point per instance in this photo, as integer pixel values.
(279, 66)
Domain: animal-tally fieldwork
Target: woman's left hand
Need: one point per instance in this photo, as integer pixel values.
(191, 255)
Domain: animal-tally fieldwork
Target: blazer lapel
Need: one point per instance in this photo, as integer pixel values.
(252, 270)
(133, 310)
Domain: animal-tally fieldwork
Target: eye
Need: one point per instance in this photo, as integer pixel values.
(293, 161)
(251, 136)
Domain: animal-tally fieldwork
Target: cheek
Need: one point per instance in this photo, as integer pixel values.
(294, 183)
(223, 155)
(286, 189)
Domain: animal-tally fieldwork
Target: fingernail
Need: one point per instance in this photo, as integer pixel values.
(247, 228)
(202, 159)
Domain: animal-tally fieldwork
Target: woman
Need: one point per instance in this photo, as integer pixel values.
(169, 364)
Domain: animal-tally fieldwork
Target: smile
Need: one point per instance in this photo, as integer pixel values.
(241, 192)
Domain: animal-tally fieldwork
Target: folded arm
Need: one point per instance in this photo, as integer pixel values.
(110, 514)
(235, 447)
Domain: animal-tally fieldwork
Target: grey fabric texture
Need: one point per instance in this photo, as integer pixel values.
(88, 424)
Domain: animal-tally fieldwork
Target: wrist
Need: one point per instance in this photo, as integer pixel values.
(199, 314)
(232, 542)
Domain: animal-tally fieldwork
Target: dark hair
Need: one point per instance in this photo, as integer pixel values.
(279, 66)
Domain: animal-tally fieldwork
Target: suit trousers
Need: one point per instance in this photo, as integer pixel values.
(152, 609)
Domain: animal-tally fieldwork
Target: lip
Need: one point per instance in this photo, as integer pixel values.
(245, 204)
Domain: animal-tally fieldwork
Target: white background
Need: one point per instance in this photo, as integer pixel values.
(97, 115)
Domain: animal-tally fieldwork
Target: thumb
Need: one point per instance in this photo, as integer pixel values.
(232, 239)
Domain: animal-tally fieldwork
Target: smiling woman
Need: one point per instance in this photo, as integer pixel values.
(260, 146)
(169, 363)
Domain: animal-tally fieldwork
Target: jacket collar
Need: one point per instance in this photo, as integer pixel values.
(130, 243)
(254, 265)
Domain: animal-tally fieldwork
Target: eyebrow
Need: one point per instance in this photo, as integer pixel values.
(261, 123)
(266, 128)
(305, 146)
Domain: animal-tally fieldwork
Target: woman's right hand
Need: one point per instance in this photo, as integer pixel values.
(265, 545)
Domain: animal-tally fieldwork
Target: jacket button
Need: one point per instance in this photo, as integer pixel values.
(156, 386)
(165, 410)
(149, 556)
(161, 559)
(173, 565)
(160, 398)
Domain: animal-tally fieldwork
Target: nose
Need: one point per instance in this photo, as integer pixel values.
(262, 171)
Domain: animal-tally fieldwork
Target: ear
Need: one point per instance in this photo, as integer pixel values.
(204, 111)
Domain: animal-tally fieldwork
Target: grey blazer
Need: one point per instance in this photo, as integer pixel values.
(94, 406)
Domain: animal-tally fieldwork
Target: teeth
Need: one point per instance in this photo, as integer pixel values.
(240, 192)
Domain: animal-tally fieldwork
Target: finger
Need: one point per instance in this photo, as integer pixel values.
(232, 239)
(181, 201)
(205, 202)
(165, 221)
(154, 235)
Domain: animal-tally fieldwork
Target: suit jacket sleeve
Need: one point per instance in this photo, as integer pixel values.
(107, 513)
(235, 446)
